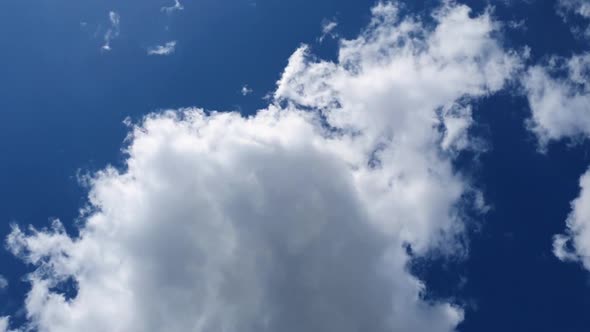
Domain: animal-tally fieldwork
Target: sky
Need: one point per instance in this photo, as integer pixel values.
(280, 165)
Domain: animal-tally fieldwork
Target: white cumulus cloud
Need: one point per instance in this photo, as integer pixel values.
(166, 49)
(575, 244)
(297, 218)
(559, 96)
(4, 325)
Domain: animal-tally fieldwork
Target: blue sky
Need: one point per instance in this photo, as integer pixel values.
(411, 168)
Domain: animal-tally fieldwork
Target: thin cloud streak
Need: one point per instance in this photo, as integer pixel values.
(113, 31)
(165, 49)
(176, 7)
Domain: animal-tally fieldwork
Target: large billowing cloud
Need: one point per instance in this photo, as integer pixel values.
(559, 96)
(298, 218)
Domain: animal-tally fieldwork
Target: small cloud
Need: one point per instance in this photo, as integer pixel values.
(113, 31)
(165, 49)
(246, 90)
(517, 25)
(3, 282)
(328, 28)
(177, 7)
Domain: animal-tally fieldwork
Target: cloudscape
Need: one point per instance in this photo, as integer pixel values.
(296, 166)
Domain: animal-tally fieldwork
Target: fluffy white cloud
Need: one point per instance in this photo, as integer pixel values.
(4, 325)
(575, 244)
(112, 31)
(559, 96)
(297, 218)
(165, 49)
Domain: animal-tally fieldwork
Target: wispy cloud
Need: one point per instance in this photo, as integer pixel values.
(246, 90)
(328, 30)
(3, 283)
(165, 49)
(113, 31)
(177, 7)
(579, 7)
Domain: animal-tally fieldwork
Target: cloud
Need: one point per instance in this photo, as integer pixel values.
(165, 49)
(177, 7)
(297, 218)
(328, 28)
(3, 324)
(3, 283)
(559, 95)
(112, 31)
(517, 25)
(578, 7)
(246, 90)
(574, 245)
